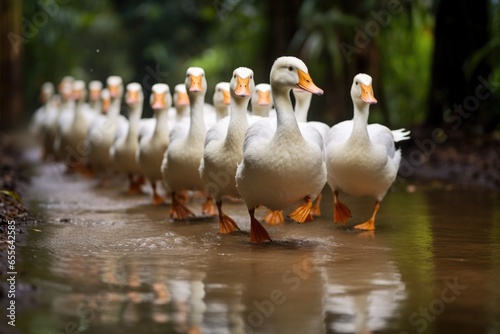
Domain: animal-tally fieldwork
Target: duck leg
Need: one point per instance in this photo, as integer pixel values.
(157, 199)
(274, 217)
(208, 208)
(258, 233)
(179, 210)
(226, 223)
(134, 187)
(316, 210)
(303, 212)
(341, 213)
(369, 225)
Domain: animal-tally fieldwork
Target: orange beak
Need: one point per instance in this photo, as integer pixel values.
(77, 94)
(195, 81)
(264, 98)
(306, 83)
(158, 101)
(132, 97)
(106, 103)
(95, 94)
(182, 99)
(242, 88)
(226, 97)
(367, 94)
(113, 91)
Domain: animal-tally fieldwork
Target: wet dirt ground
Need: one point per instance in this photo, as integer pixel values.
(107, 262)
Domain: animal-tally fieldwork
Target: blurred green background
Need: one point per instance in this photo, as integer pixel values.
(426, 57)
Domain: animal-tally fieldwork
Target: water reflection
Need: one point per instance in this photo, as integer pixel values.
(118, 266)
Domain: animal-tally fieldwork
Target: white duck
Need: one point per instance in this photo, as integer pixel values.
(153, 147)
(224, 146)
(361, 159)
(102, 131)
(38, 117)
(124, 150)
(283, 162)
(180, 111)
(262, 101)
(80, 126)
(95, 88)
(44, 122)
(221, 99)
(182, 158)
(64, 118)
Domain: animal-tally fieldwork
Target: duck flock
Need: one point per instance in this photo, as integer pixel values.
(270, 156)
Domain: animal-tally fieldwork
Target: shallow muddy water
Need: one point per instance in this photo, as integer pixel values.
(106, 262)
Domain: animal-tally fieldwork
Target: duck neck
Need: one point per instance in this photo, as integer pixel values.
(114, 108)
(286, 121)
(79, 111)
(161, 127)
(134, 117)
(197, 123)
(181, 112)
(95, 105)
(221, 111)
(360, 122)
(238, 122)
(302, 108)
(260, 110)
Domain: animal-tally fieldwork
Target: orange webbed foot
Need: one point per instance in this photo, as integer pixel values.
(303, 212)
(258, 233)
(316, 209)
(341, 212)
(157, 199)
(179, 210)
(208, 207)
(369, 225)
(274, 217)
(227, 224)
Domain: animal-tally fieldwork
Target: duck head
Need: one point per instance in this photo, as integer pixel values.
(242, 84)
(221, 95)
(134, 96)
(180, 95)
(95, 87)
(362, 90)
(160, 99)
(196, 82)
(115, 86)
(262, 95)
(291, 72)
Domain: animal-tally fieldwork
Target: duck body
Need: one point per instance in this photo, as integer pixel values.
(361, 159)
(124, 150)
(153, 146)
(282, 162)
(181, 161)
(102, 132)
(364, 165)
(224, 145)
(275, 163)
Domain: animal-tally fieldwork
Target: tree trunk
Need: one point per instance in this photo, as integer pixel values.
(10, 64)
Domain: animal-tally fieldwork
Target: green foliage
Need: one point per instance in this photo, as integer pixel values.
(406, 45)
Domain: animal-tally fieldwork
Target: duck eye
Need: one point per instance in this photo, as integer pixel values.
(234, 76)
(357, 83)
(290, 68)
